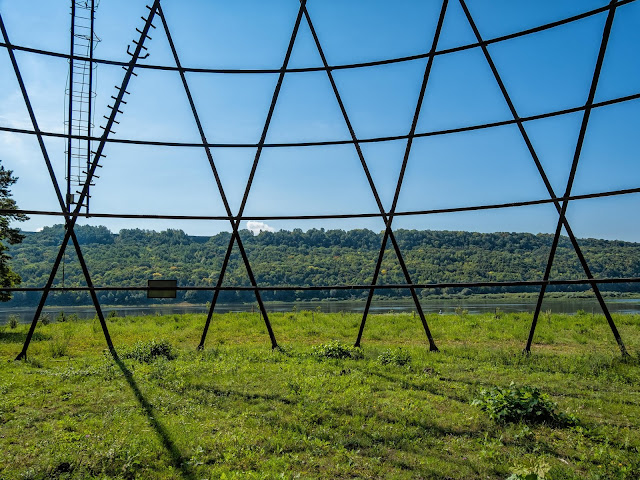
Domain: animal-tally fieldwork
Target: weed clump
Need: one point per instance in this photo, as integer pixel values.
(536, 471)
(62, 317)
(337, 349)
(397, 357)
(59, 347)
(147, 352)
(522, 404)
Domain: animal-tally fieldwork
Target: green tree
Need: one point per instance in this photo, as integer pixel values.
(8, 235)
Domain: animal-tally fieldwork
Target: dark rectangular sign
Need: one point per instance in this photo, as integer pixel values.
(162, 288)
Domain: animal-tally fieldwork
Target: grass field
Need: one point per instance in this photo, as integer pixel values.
(240, 410)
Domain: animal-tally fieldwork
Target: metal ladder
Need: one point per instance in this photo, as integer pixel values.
(79, 97)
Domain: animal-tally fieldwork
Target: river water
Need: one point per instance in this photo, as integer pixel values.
(627, 306)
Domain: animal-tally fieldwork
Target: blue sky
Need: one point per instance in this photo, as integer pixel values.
(546, 71)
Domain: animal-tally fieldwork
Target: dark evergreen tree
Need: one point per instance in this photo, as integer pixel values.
(8, 235)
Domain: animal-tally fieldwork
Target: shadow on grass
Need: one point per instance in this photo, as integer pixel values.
(20, 337)
(342, 411)
(218, 392)
(176, 457)
(423, 387)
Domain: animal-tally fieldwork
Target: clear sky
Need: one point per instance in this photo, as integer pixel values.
(543, 72)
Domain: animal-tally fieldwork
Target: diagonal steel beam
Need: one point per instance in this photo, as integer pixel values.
(223, 195)
(576, 157)
(235, 224)
(72, 218)
(387, 217)
(63, 207)
(560, 207)
(405, 160)
(272, 106)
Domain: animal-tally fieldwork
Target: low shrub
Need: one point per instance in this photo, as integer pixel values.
(13, 321)
(147, 352)
(59, 345)
(521, 404)
(45, 319)
(337, 349)
(58, 348)
(396, 356)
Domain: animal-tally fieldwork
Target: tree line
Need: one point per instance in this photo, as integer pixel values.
(307, 258)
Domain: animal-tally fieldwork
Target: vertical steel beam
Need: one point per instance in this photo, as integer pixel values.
(90, 106)
(70, 111)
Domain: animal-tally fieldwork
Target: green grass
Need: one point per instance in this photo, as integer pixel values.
(238, 409)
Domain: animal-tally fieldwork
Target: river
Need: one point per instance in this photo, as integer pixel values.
(626, 306)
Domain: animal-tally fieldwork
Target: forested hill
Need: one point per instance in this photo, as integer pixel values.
(314, 257)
